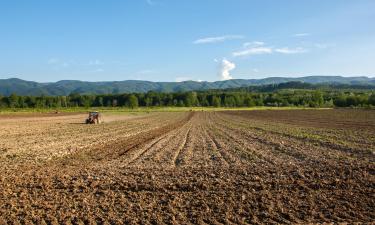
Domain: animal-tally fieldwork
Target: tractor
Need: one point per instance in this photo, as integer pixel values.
(94, 118)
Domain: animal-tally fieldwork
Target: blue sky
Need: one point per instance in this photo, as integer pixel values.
(175, 40)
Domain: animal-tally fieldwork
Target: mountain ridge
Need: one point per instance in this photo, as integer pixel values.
(66, 87)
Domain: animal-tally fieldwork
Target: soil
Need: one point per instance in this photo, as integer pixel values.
(237, 167)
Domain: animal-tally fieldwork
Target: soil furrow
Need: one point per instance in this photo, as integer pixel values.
(187, 168)
(217, 150)
(181, 152)
(283, 146)
(363, 153)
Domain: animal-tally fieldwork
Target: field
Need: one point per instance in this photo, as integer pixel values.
(213, 167)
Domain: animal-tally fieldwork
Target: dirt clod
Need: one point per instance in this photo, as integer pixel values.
(237, 167)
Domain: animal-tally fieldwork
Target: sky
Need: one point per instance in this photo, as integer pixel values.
(176, 40)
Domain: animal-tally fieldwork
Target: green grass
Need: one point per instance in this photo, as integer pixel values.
(143, 109)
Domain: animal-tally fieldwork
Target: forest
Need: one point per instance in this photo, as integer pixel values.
(277, 95)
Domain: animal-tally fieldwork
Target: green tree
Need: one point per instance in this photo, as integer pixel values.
(22, 102)
(249, 102)
(240, 100)
(3, 102)
(100, 101)
(351, 100)
(180, 103)
(58, 102)
(13, 101)
(229, 101)
(64, 101)
(114, 102)
(148, 101)
(202, 98)
(216, 101)
(340, 101)
(191, 99)
(133, 101)
(371, 99)
(317, 98)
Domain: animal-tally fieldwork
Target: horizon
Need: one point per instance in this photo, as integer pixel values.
(168, 41)
(262, 78)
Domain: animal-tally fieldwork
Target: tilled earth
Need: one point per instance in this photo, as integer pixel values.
(230, 167)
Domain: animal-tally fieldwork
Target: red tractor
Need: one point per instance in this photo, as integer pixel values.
(94, 118)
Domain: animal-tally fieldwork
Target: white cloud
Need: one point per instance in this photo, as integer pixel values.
(253, 51)
(253, 44)
(186, 78)
(208, 40)
(225, 68)
(287, 50)
(259, 48)
(301, 35)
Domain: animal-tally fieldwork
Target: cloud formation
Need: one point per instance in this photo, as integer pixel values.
(259, 48)
(287, 50)
(225, 68)
(253, 51)
(209, 40)
(253, 44)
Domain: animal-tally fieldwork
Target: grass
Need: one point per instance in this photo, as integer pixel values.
(144, 109)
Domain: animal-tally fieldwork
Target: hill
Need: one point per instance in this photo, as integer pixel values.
(66, 87)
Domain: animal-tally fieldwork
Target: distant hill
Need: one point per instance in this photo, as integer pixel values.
(66, 87)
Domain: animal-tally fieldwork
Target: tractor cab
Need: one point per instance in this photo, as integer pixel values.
(94, 118)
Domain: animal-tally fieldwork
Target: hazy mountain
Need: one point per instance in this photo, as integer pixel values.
(65, 87)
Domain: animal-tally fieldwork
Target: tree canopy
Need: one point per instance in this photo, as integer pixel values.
(269, 95)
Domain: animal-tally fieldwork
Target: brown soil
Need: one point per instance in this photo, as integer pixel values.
(193, 167)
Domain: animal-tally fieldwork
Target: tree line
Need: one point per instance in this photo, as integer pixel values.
(212, 98)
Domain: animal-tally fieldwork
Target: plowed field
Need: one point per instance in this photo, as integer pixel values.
(229, 167)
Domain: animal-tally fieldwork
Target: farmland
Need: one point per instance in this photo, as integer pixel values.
(230, 167)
